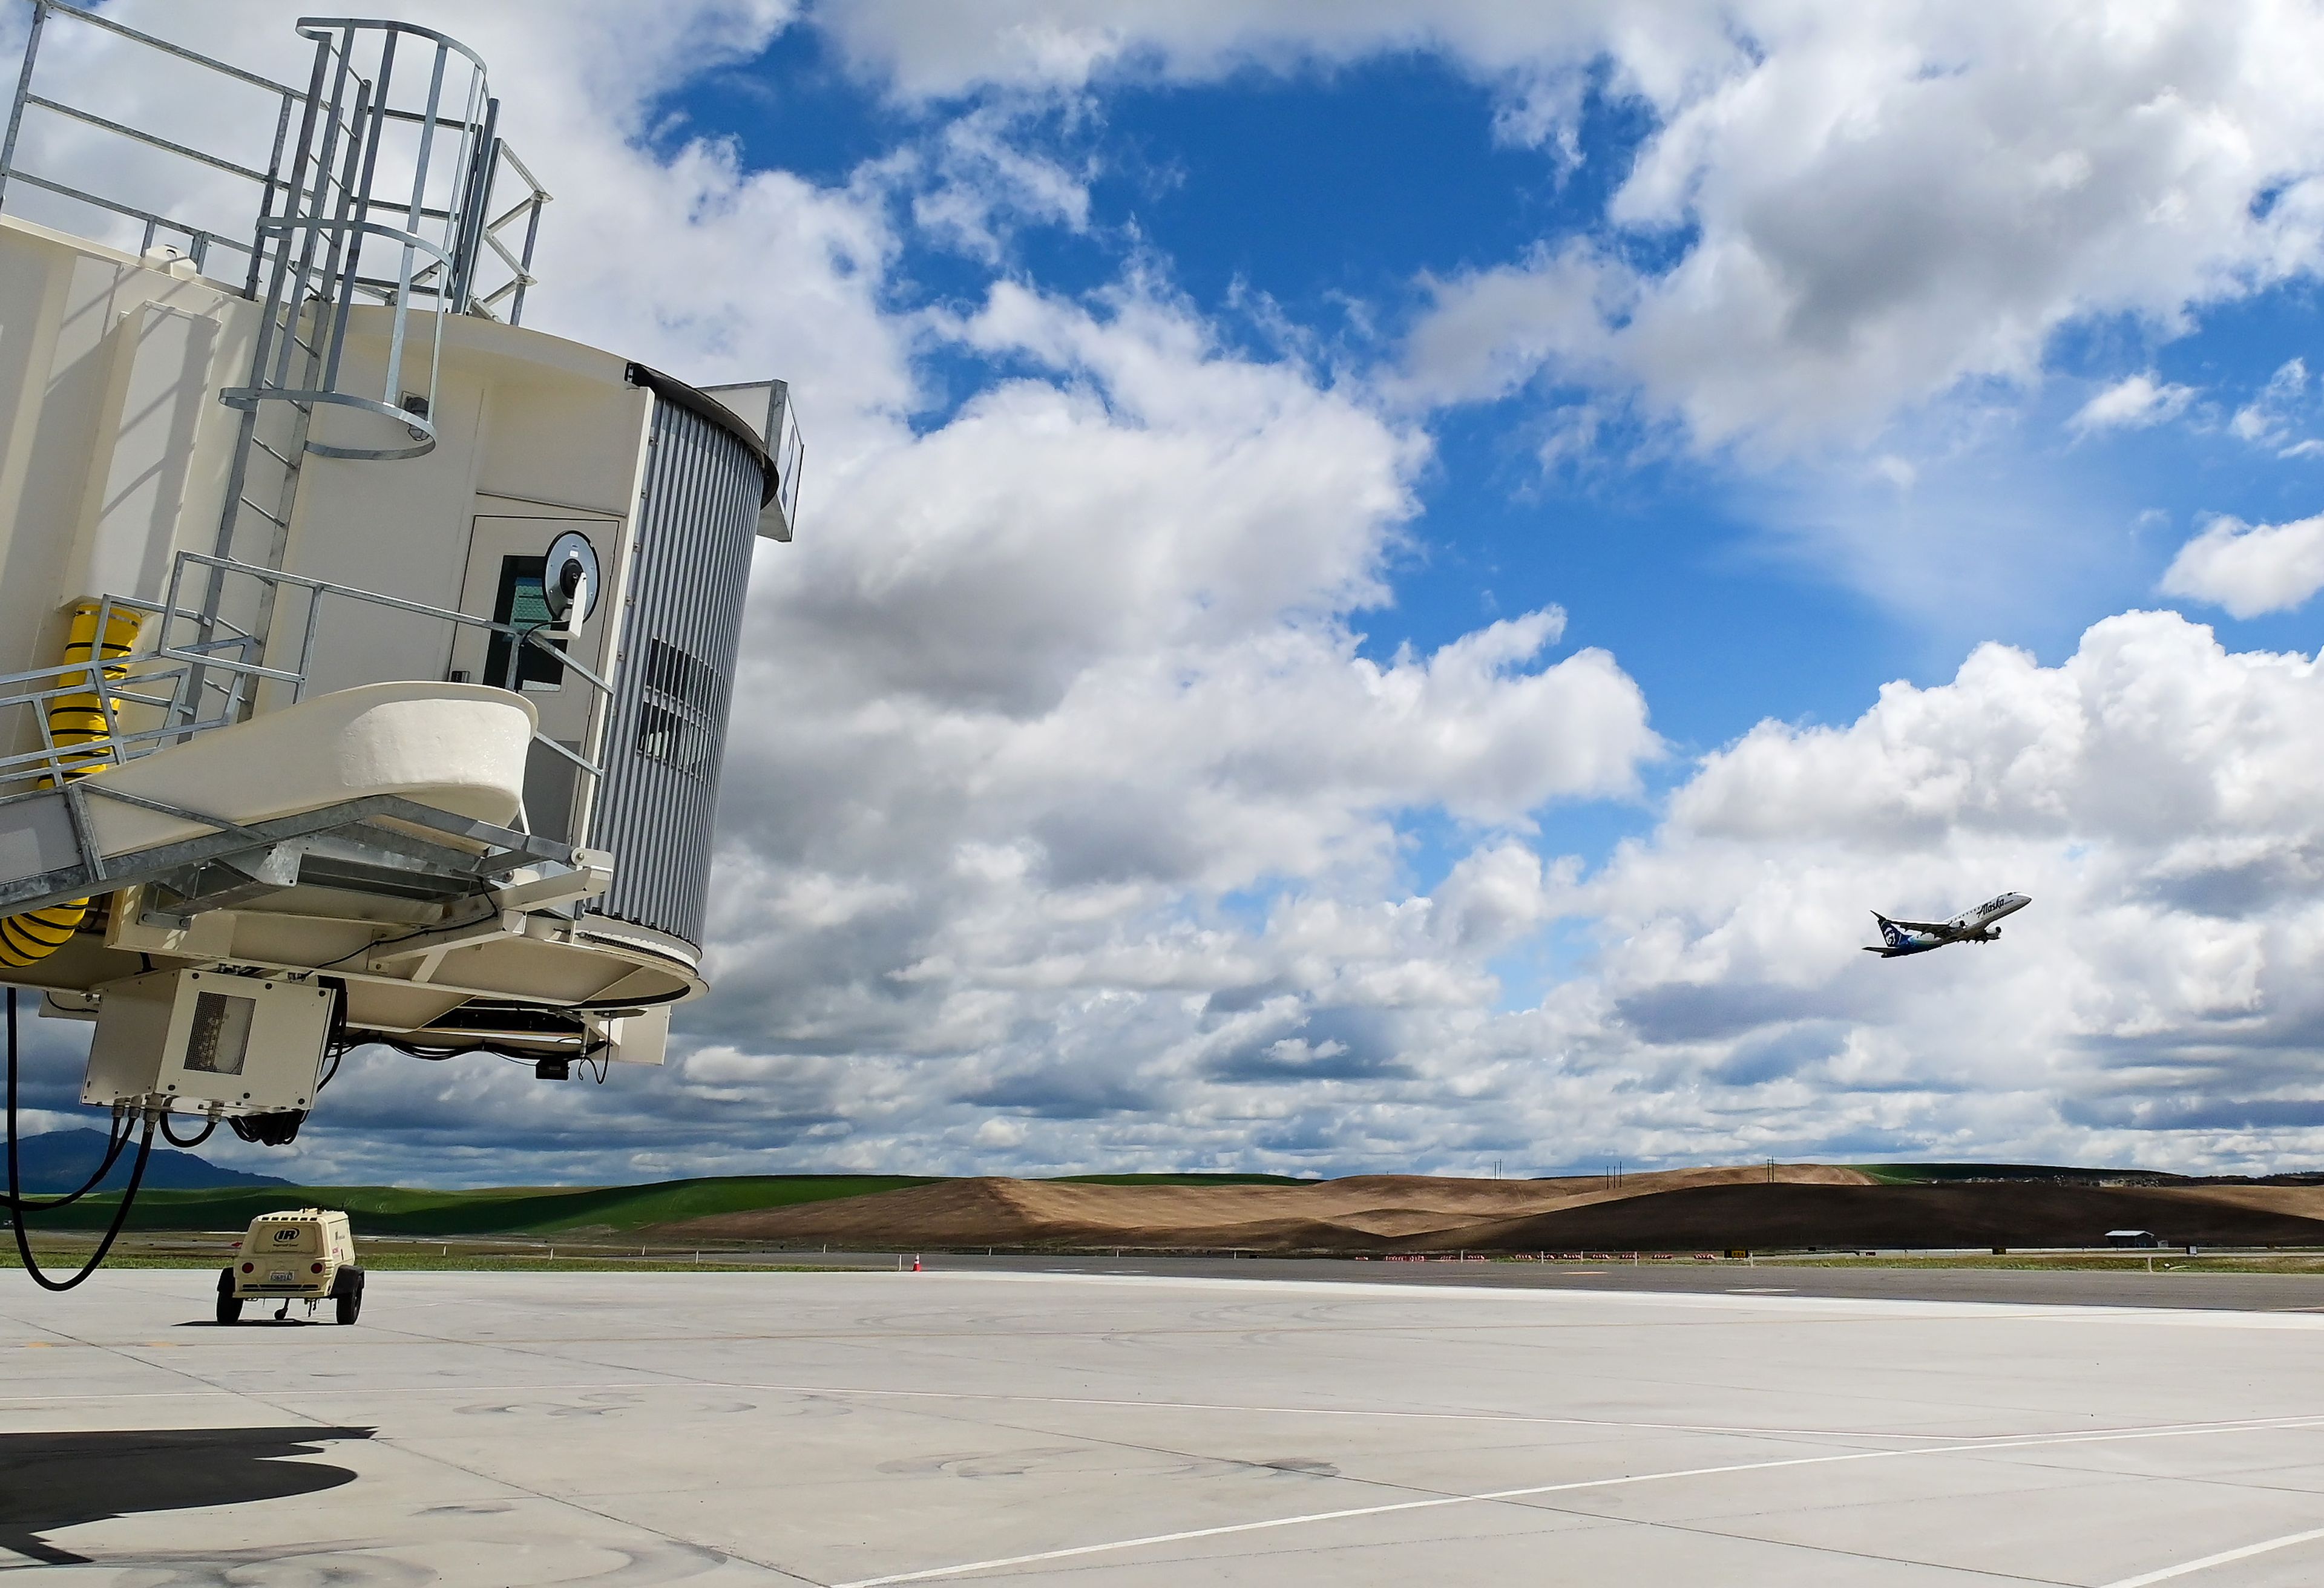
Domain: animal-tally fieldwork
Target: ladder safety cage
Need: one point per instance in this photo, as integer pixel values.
(91, 174)
(338, 199)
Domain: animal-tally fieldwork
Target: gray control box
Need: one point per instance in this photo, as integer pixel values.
(203, 1041)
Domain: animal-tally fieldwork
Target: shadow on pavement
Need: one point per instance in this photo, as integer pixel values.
(50, 1482)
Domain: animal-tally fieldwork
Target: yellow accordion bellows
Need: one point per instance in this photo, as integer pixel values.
(76, 723)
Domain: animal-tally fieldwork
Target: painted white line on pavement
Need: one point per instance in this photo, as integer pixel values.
(2224, 1557)
(1438, 1503)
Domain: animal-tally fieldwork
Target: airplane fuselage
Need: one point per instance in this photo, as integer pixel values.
(1971, 926)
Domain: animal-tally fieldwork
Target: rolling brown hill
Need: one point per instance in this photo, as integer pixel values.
(1364, 1213)
(1760, 1207)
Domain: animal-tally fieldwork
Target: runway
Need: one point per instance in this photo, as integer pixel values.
(864, 1429)
(1921, 1280)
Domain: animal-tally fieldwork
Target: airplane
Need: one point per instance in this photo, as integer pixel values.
(1971, 926)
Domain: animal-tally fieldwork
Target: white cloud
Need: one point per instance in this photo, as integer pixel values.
(1067, 822)
(2250, 568)
(1879, 205)
(1086, 645)
(925, 51)
(2273, 416)
(1869, 207)
(2135, 403)
(988, 182)
(2156, 794)
(1489, 332)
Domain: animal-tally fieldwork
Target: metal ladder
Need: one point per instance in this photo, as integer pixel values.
(310, 256)
(288, 359)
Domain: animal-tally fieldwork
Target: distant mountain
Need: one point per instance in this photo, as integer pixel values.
(60, 1160)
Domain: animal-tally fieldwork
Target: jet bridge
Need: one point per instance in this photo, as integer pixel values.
(355, 637)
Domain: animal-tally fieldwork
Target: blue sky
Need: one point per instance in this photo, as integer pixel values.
(1304, 210)
(1383, 587)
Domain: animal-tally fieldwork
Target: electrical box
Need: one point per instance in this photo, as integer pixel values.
(203, 1041)
(640, 1039)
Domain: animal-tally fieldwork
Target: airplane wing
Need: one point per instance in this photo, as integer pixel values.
(1924, 925)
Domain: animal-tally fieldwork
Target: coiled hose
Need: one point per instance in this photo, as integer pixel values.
(80, 729)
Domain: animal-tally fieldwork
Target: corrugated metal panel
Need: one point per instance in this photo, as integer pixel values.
(697, 525)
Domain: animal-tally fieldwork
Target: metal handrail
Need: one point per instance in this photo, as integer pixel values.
(274, 185)
(189, 686)
(275, 576)
(172, 686)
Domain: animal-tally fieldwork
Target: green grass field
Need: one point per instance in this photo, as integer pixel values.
(545, 1210)
(66, 1260)
(389, 1210)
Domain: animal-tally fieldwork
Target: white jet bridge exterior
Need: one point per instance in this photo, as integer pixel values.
(365, 656)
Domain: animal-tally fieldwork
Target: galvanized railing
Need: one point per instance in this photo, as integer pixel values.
(145, 701)
(200, 673)
(508, 233)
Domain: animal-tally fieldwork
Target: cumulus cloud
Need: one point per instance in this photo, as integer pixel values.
(1070, 819)
(987, 183)
(1858, 209)
(2135, 403)
(1071, 673)
(2250, 568)
(1874, 207)
(933, 51)
(2271, 418)
(2152, 793)
(1059, 722)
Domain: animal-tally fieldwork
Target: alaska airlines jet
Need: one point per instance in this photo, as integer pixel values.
(1971, 926)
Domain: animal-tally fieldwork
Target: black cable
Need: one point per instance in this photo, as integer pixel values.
(195, 1139)
(416, 1050)
(16, 1189)
(336, 1044)
(384, 942)
(116, 1138)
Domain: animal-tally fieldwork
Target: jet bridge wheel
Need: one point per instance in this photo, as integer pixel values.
(347, 1290)
(229, 1305)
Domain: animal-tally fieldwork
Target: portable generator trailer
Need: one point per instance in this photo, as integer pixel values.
(306, 1254)
(366, 655)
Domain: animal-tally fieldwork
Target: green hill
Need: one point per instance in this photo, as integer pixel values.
(612, 1210)
(389, 1210)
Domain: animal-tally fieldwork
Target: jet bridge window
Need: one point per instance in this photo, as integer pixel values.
(522, 603)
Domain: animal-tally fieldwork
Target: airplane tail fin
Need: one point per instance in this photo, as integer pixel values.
(1890, 932)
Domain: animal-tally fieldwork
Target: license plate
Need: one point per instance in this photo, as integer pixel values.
(282, 1277)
